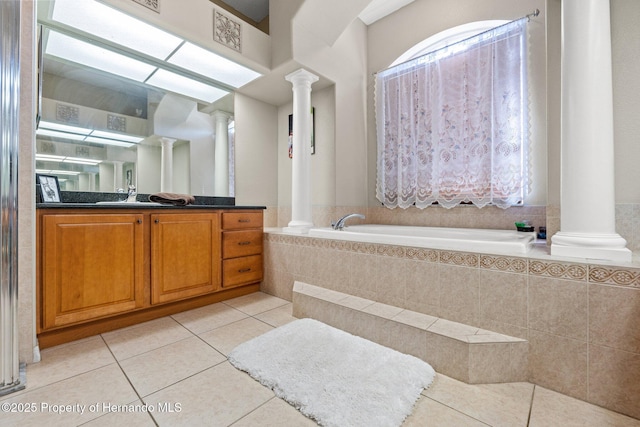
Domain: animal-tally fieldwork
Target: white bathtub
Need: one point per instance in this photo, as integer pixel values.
(504, 242)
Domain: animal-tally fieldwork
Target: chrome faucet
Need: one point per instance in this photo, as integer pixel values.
(131, 196)
(339, 225)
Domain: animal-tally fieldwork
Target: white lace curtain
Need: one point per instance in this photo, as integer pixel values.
(452, 126)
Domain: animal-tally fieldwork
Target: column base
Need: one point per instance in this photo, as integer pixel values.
(298, 227)
(609, 247)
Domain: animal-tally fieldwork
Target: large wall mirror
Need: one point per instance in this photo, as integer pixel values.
(112, 116)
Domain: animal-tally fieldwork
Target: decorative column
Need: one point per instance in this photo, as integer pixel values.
(221, 168)
(301, 217)
(166, 168)
(117, 175)
(587, 218)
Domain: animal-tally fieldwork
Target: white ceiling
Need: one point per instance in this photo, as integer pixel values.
(377, 9)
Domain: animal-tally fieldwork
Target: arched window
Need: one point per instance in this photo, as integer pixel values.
(452, 124)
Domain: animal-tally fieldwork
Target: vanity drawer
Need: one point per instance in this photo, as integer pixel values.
(240, 271)
(239, 220)
(241, 243)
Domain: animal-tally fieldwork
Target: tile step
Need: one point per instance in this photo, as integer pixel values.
(464, 352)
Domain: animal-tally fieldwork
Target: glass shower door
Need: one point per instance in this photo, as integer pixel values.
(10, 372)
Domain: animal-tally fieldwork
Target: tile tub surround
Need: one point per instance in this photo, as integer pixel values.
(579, 318)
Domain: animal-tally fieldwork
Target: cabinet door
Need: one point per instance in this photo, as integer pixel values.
(185, 255)
(92, 266)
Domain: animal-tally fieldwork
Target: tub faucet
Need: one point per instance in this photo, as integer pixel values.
(131, 196)
(339, 225)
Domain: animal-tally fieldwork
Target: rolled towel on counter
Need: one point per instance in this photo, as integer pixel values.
(172, 199)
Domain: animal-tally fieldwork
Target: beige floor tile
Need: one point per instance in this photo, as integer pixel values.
(552, 409)
(429, 413)
(133, 418)
(159, 368)
(275, 413)
(138, 339)
(218, 396)
(257, 302)
(226, 338)
(66, 360)
(209, 317)
(494, 404)
(102, 387)
(278, 316)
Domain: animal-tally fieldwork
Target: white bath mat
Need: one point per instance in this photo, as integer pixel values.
(334, 377)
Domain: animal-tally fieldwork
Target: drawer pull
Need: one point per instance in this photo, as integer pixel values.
(244, 220)
(244, 243)
(244, 270)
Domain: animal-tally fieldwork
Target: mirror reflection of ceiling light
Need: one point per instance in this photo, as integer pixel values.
(87, 135)
(176, 83)
(57, 172)
(112, 29)
(64, 159)
(90, 55)
(207, 63)
(117, 136)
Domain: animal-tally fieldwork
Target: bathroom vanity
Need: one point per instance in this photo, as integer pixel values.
(101, 268)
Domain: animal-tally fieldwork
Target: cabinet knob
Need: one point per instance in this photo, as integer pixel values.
(157, 221)
(139, 221)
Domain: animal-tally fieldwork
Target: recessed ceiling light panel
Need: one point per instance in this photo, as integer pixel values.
(115, 26)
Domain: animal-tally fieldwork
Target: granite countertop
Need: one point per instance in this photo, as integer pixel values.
(88, 200)
(137, 206)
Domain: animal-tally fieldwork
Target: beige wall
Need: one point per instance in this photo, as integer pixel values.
(256, 147)
(625, 33)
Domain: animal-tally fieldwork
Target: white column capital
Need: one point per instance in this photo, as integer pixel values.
(167, 142)
(301, 78)
(221, 115)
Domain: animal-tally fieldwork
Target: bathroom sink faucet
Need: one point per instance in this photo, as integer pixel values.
(339, 225)
(131, 197)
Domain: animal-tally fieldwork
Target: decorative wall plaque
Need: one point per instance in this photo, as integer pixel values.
(150, 4)
(67, 113)
(227, 31)
(46, 147)
(116, 123)
(83, 152)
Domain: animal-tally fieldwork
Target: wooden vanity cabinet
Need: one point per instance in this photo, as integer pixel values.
(92, 266)
(185, 254)
(102, 269)
(241, 248)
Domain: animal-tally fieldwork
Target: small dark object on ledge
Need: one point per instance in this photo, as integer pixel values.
(526, 229)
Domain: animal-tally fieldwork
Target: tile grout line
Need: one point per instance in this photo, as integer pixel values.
(127, 378)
